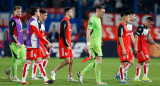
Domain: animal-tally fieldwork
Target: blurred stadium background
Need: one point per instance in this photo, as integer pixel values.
(83, 10)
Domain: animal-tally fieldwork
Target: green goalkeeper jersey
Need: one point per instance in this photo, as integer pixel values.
(94, 24)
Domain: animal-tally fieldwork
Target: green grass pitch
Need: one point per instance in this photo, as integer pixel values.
(109, 68)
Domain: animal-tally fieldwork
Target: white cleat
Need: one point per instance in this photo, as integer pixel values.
(16, 79)
(101, 83)
(34, 78)
(53, 75)
(70, 79)
(8, 73)
(80, 77)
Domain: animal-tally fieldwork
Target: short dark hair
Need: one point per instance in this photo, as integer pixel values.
(33, 10)
(131, 12)
(150, 19)
(17, 7)
(124, 13)
(66, 10)
(42, 11)
(100, 7)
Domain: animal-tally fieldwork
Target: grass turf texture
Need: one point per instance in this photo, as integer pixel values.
(109, 68)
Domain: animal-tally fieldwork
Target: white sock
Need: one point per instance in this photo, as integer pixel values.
(34, 69)
(146, 68)
(121, 71)
(138, 71)
(25, 71)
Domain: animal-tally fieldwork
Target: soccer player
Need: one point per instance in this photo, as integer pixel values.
(65, 47)
(16, 43)
(123, 46)
(131, 39)
(141, 37)
(94, 43)
(45, 53)
(33, 46)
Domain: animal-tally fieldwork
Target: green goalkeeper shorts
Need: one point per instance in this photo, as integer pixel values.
(17, 52)
(96, 51)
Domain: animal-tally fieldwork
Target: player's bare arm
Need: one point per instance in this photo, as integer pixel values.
(88, 39)
(133, 39)
(136, 43)
(153, 42)
(122, 45)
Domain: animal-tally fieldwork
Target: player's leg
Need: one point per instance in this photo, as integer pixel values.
(139, 66)
(34, 70)
(121, 72)
(15, 56)
(53, 73)
(41, 68)
(146, 68)
(25, 71)
(129, 64)
(70, 67)
(22, 55)
(138, 71)
(45, 55)
(120, 75)
(88, 68)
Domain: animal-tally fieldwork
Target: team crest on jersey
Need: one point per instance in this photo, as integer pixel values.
(99, 52)
(35, 55)
(66, 53)
(91, 23)
(47, 52)
(145, 32)
(146, 56)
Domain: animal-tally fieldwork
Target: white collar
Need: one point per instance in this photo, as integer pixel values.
(34, 18)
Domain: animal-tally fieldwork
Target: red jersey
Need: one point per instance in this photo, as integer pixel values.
(129, 27)
(123, 32)
(65, 33)
(142, 33)
(42, 31)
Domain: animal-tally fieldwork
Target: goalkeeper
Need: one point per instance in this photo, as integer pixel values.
(94, 39)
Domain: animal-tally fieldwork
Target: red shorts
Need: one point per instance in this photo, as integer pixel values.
(44, 52)
(143, 55)
(131, 56)
(65, 53)
(33, 53)
(122, 57)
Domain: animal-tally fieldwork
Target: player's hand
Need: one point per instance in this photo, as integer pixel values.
(158, 47)
(135, 50)
(50, 45)
(87, 48)
(131, 50)
(18, 45)
(69, 48)
(124, 52)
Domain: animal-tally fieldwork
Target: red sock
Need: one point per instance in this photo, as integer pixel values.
(45, 62)
(121, 69)
(41, 68)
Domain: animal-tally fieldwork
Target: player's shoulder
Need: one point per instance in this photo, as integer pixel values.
(121, 26)
(12, 20)
(141, 26)
(92, 18)
(34, 22)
